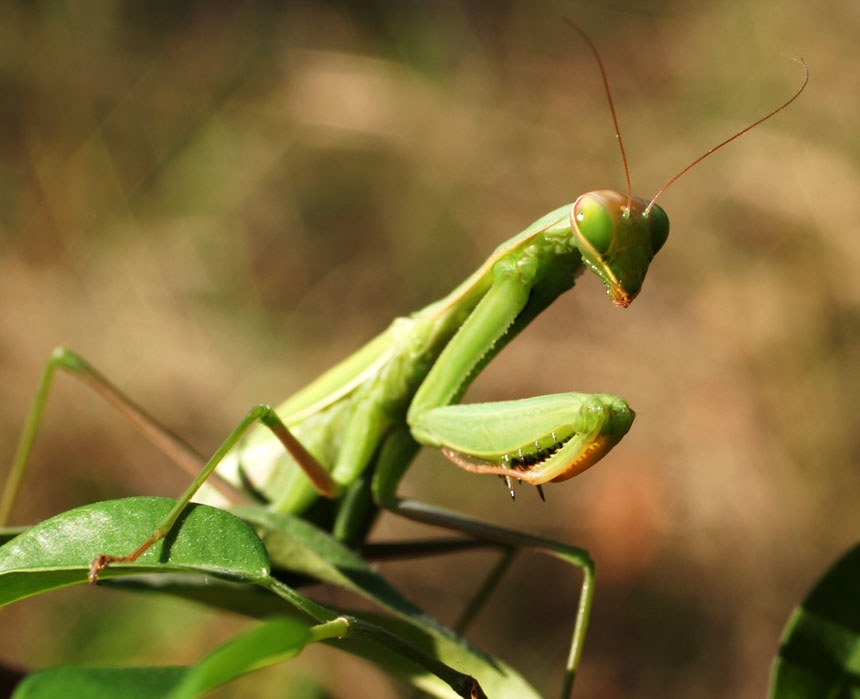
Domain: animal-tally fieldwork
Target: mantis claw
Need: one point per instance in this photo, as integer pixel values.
(97, 566)
(573, 430)
(102, 561)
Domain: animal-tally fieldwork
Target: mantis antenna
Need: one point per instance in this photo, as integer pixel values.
(611, 109)
(732, 138)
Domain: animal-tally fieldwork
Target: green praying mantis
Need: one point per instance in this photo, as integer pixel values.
(341, 445)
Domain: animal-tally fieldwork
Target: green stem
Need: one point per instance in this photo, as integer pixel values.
(464, 685)
(316, 611)
(343, 626)
(337, 628)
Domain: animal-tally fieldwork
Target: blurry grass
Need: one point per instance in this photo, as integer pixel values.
(214, 202)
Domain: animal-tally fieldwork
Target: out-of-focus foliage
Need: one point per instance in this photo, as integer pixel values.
(818, 655)
(213, 202)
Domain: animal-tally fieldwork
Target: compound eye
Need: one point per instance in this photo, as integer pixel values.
(594, 223)
(658, 223)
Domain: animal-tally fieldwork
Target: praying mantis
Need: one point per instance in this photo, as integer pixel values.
(350, 435)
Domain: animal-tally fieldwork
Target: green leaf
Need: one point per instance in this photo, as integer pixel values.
(497, 679)
(99, 682)
(820, 651)
(58, 551)
(9, 533)
(299, 546)
(264, 644)
(248, 600)
(276, 640)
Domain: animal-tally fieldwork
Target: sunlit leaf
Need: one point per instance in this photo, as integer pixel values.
(9, 533)
(58, 551)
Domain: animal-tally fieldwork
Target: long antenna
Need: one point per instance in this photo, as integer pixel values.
(732, 138)
(611, 107)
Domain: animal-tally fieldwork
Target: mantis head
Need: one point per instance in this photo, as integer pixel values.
(618, 237)
(619, 234)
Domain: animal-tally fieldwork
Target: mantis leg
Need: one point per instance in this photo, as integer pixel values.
(479, 599)
(167, 441)
(536, 440)
(394, 458)
(171, 444)
(263, 414)
(422, 548)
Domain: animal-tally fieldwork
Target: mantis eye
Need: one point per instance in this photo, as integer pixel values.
(658, 222)
(594, 223)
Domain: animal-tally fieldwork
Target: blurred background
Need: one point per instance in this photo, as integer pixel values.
(213, 202)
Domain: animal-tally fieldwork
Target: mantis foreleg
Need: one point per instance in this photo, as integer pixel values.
(541, 439)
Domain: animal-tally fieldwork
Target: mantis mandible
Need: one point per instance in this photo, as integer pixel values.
(350, 435)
